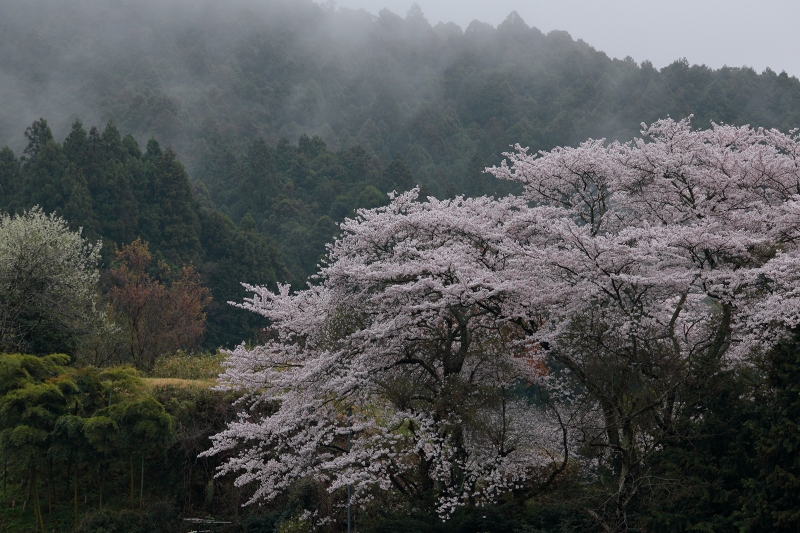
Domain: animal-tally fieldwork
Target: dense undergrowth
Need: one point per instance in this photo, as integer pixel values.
(116, 491)
(732, 466)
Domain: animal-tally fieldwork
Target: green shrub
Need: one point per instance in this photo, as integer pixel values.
(189, 366)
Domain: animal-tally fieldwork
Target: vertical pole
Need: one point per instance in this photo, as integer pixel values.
(349, 487)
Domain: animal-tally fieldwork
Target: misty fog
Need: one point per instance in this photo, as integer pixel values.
(437, 95)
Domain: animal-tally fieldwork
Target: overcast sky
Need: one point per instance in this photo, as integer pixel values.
(755, 33)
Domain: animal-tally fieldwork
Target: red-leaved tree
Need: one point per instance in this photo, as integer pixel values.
(155, 318)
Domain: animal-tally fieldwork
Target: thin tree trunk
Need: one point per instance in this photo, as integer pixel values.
(32, 495)
(50, 486)
(75, 493)
(36, 499)
(130, 459)
(101, 485)
(141, 486)
(188, 504)
(30, 487)
(69, 475)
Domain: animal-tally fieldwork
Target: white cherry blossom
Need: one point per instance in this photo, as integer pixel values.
(622, 264)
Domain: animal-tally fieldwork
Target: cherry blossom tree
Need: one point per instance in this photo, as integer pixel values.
(629, 266)
(396, 370)
(663, 255)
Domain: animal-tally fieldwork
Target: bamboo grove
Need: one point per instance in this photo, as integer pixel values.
(60, 424)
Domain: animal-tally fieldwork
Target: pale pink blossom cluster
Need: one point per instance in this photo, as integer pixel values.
(686, 239)
(400, 363)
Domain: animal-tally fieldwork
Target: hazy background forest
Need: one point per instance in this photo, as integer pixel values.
(235, 136)
(295, 113)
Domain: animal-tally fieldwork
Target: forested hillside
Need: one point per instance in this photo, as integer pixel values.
(437, 95)
(229, 88)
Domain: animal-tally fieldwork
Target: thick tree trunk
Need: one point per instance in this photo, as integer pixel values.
(620, 432)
